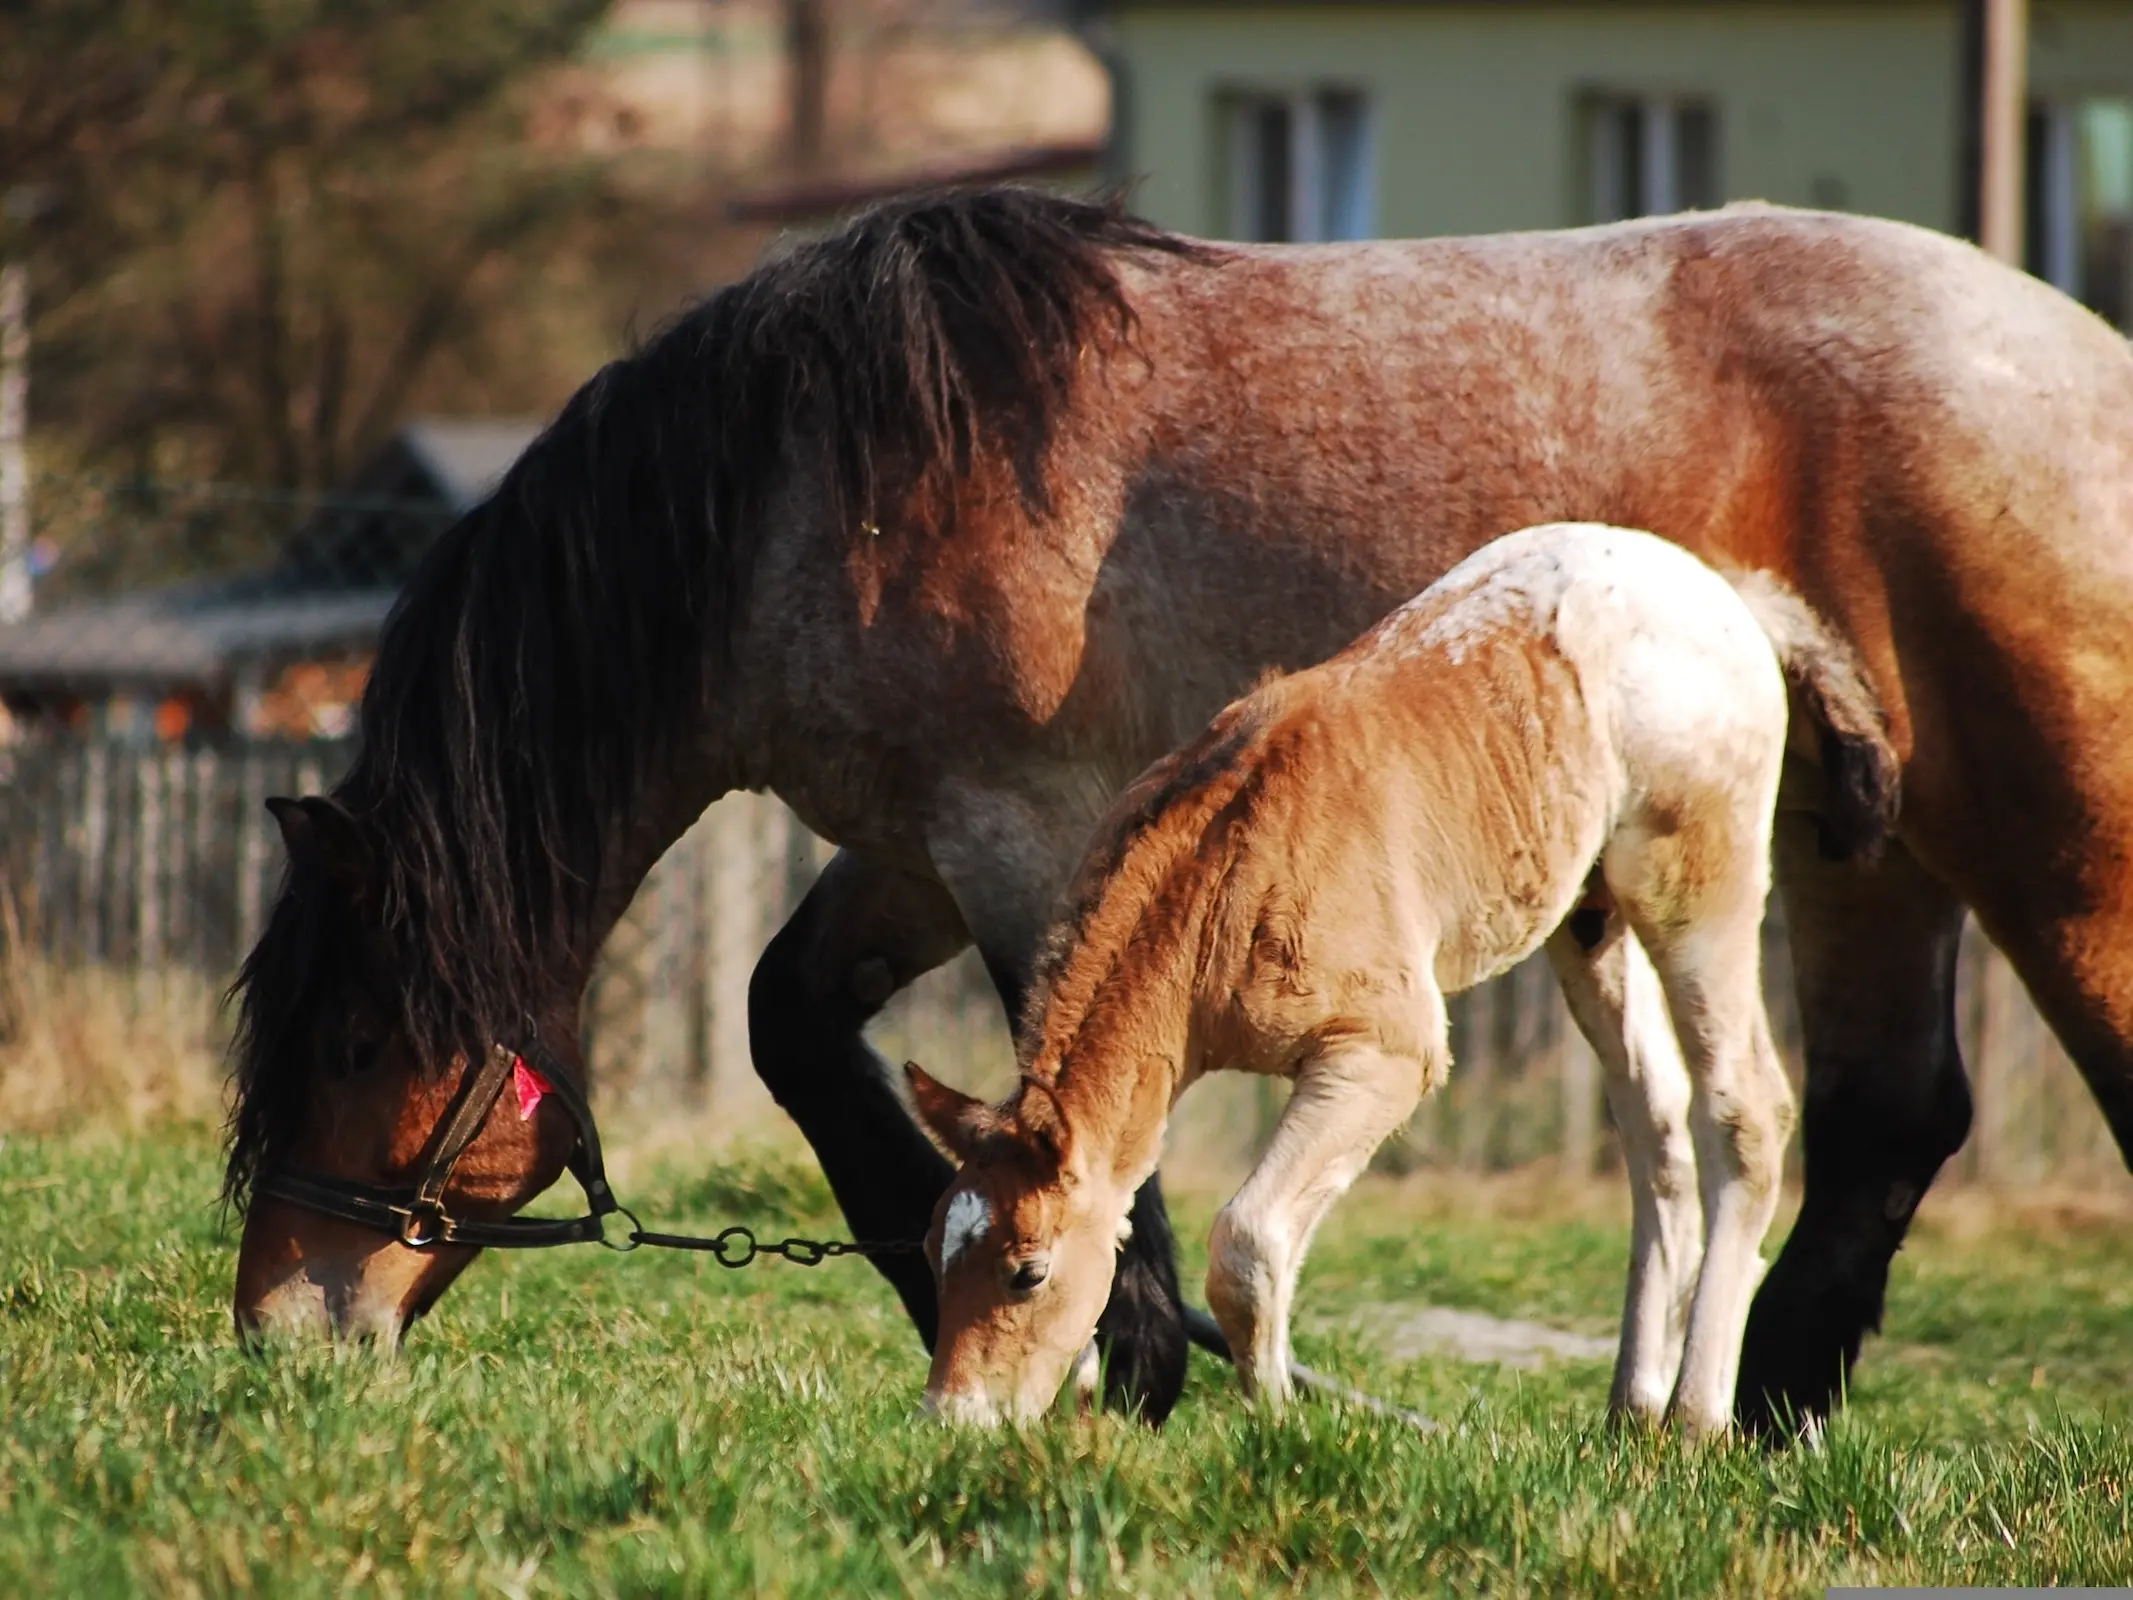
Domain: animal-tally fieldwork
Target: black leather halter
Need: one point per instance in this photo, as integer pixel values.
(415, 1213)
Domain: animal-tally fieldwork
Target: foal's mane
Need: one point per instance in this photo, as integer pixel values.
(1147, 873)
(562, 634)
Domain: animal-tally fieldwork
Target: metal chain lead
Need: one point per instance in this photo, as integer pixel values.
(737, 1246)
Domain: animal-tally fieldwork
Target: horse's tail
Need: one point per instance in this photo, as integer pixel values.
(1859, 767)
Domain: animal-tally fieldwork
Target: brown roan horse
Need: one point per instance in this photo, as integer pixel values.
(944, 526)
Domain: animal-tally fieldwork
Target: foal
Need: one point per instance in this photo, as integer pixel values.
(1573, 739)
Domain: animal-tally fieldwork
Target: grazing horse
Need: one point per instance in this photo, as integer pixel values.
(1573, 739)
(945, 525)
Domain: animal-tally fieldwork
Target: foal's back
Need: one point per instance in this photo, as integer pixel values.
(1425, 808)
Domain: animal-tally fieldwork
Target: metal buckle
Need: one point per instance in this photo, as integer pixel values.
(412, 1222)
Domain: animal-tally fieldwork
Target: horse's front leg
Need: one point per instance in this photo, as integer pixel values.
(862, 933)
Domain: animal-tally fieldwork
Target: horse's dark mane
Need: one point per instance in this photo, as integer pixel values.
(560, 635)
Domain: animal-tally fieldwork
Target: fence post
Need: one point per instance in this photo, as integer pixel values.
(148, 870)
(177, 904)
(251, 847)
(1579, 1069)
(205, 796)
(66, 858)
(736, 920)
(149, 848)
(696, 963)
(96, 822)
(2001, 1059)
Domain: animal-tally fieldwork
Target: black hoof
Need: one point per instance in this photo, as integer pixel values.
(1797, 1358)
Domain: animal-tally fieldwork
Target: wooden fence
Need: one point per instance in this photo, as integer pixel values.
(148, 859)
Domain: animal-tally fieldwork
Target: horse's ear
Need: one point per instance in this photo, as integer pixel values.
(323, 832)
(957, 1119)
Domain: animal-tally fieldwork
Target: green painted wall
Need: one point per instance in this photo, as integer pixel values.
(1478, 122)
(2081, 48)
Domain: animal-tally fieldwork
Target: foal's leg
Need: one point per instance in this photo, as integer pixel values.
(1348, 1098)
(1740, 1114)
(1873, 952)
(1614, 994)
(864, 931)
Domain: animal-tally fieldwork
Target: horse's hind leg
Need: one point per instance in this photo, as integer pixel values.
(1873, 955)
(1348, 1098)
(1740, 1116)
(862, 933)
(1614, 994)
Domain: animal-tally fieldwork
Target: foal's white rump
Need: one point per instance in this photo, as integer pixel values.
(1650, 814)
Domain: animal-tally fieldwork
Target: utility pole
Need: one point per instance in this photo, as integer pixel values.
(807, 81)
(2004, 118)
(15, 421)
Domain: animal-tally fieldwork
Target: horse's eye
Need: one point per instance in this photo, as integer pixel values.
(1026, 1277)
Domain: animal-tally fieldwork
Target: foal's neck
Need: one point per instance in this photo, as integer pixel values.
(1117, 1073)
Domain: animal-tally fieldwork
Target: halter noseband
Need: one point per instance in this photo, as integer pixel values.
(415, 1213)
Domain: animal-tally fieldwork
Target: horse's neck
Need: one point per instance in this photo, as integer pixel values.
(676, 793)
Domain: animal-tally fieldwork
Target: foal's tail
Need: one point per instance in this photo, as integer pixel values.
(1859, 768)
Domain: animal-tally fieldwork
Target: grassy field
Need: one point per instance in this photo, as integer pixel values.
(580, 1423)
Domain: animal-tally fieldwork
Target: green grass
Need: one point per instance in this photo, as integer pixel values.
(580, 1423)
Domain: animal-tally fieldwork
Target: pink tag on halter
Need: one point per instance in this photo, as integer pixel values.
(530, 1086)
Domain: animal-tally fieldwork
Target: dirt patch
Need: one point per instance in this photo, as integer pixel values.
(1411, 1333)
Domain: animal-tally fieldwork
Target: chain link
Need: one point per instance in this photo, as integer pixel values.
(737, 1247)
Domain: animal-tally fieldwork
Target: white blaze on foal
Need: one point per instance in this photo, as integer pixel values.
(964, 1224)
(1574, 740)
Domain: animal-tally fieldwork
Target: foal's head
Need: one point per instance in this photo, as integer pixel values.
(1023, 1246)
(336, 1088)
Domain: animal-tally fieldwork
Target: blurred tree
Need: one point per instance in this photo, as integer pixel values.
(264, 222)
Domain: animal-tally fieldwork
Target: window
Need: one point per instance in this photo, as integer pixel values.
(1651, 154)
(1300, 166)
(2080, 202)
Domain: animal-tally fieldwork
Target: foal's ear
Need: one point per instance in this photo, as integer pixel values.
(957, 1119)
(325, 833)
(1042, 1120)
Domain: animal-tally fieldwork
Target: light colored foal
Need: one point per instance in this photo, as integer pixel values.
(1574, 740)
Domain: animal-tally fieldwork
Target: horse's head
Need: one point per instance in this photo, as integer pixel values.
(1023, 1247)
(335, 1091)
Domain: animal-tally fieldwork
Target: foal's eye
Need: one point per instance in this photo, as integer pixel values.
(1026, 1277)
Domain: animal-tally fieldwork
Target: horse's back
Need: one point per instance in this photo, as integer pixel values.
(1664, 647)
(1903, 430)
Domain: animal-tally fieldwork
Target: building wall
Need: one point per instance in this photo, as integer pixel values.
(2081, 49)
(1478, 109)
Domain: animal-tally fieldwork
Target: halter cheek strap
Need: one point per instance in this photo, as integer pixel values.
(415, 1213)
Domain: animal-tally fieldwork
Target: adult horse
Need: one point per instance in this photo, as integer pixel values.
(944, 526)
